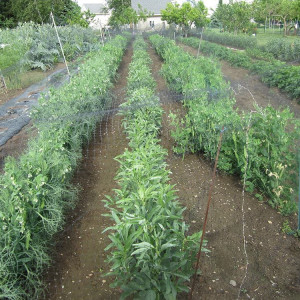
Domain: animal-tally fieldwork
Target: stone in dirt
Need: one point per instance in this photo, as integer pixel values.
(232, 282)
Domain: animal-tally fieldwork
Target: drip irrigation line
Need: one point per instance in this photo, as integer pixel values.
(206, 213)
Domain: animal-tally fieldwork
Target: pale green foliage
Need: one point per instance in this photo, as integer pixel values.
(35, 190)
(185, 15)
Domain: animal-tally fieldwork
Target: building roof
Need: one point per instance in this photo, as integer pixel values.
(95, 8)
(152, 6)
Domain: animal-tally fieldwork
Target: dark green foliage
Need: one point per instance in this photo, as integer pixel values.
(241, 41)
(38, 11)
(265, 140)
(272, 72)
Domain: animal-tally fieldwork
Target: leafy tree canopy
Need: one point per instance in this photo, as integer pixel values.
(235, 16)
(38, 11)
(123, 13)
(185, 15)
(284, 9)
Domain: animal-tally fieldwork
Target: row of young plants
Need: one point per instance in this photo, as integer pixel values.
(35, 190)
(151, 256)
(261, 145)
(273, 73)
(279, 48)
(241, 41)
(283, 49)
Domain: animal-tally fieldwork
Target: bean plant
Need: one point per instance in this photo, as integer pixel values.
(35, 190)
(268, 137)
(151, 256)
(241, 41)
(271, 71)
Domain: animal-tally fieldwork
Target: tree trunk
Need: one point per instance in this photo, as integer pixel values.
(285, 25)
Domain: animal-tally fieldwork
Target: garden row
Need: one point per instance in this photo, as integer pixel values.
(279, 48)
(151, 256)
(273, 73)
(33, 46)
(260, 145)
(35, 190)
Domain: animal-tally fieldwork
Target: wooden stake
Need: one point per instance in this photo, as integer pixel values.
(62, 50)
(206, 214)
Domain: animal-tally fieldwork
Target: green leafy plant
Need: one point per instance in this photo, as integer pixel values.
(35, 190)
(286, 228)
(150, 254)
(268, 135)
(241, 41)
(271, 71)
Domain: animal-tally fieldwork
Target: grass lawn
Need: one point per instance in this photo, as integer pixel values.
(264, 37)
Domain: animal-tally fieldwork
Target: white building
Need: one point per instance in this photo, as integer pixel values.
(97, 8)
(153, 7)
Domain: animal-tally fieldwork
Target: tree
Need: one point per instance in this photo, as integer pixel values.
(284, 9)
(287, 9)
(185, 15)
(6, 19)
(39, 11)
(235, 16)
(122, 13)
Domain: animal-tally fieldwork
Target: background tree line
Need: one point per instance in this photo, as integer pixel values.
(65, 11)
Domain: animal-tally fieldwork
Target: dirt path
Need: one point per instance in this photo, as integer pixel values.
(245, 85)
(79, 254)
(274, 259)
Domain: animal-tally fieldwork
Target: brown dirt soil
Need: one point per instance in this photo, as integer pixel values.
(274, 258)
(247, 87)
